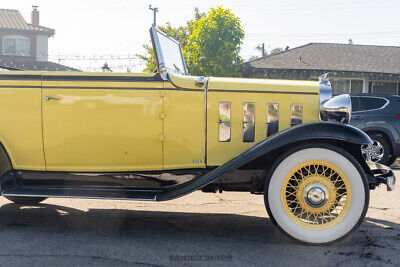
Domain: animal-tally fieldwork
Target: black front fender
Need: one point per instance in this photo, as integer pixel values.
(304, 132)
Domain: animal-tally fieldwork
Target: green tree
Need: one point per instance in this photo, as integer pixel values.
(149, 58)
(210, 43)
(276, 50)
(180, 34)
(214, 44)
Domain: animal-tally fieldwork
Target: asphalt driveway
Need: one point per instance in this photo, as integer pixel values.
(199, 229)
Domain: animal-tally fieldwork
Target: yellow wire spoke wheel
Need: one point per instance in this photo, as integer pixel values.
(316, 195)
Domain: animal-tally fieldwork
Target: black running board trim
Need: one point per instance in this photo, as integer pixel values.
(148, 195)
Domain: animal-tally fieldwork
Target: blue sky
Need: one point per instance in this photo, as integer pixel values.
(119, 27)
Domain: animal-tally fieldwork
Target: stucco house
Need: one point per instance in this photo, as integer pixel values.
(24, 46)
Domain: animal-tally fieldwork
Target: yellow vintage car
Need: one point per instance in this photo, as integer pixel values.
(164, 135)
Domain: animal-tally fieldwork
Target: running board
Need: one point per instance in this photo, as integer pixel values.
(82, 193)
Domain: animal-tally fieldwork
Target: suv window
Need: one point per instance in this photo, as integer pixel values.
(368, 103)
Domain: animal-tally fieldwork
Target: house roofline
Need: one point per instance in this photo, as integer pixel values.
(327, 70)
(46, 31)
(281, 52)
(313, 43)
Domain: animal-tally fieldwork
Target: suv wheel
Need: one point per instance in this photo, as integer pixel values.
(379, 150)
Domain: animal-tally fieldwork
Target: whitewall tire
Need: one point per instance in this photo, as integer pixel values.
(317, 194)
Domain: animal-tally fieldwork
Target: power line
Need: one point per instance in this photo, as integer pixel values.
(93, 57)
(323, 36)
(277, 35)
(344, 6)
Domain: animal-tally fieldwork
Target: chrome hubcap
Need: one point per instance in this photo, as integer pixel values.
(373, 152)
(316, 195)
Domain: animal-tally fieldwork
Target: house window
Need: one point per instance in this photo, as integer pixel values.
(345, 86)
(384, 87)
(356, 86)
(340, 86)
(16, 46)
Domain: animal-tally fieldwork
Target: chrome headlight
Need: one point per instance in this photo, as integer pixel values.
(336, 109)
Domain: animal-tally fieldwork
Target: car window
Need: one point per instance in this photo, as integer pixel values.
(368, 103)
(355, 103)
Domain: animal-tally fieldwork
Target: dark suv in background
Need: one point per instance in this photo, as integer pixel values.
(379, 116)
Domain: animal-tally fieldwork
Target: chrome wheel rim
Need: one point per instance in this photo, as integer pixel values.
(373, 152)
(316, 195)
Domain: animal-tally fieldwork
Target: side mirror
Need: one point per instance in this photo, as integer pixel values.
(336, 109)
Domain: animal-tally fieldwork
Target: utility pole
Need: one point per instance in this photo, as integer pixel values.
(155, 10)
(262, 48)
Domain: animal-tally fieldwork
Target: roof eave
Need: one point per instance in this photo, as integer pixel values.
(49, 32)
(319, 69)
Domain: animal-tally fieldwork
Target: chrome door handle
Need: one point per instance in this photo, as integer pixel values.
(52, 98)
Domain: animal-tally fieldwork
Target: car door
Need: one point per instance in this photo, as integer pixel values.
(366, 112)
(100, 123)
(184, 127)
(184, 124)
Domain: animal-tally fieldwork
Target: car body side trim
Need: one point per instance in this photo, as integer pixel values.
(102, 87)
(205, 118)
(89, 78)
(102, 78)
(20, 86)
(262, 92)
(20, 77)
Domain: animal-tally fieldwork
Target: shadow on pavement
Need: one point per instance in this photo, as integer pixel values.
(48, 235)
(160, 223)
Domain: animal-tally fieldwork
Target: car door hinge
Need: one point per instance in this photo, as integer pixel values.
(162, 115)
(162, 93)
(161, 137)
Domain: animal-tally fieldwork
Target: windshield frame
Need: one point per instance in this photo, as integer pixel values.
(158, 53)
